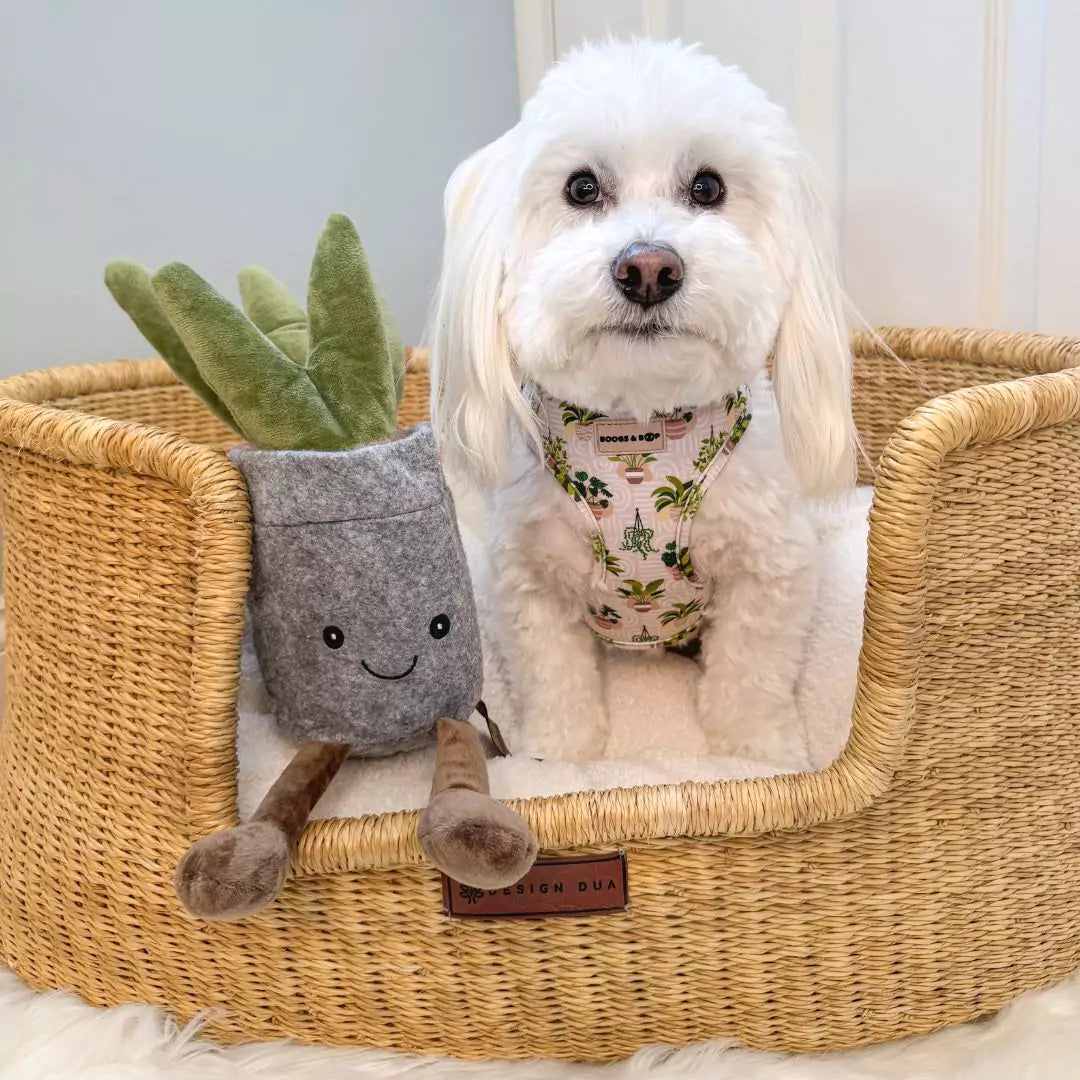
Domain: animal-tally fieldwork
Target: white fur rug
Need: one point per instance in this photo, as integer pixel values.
(58, 1037)
(655, 738)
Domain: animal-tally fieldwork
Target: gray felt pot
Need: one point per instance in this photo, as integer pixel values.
(364, 620)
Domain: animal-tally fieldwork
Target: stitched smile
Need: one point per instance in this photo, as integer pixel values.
(378, 675)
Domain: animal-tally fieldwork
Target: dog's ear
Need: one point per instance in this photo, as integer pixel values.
(474, 388)
(812, 357)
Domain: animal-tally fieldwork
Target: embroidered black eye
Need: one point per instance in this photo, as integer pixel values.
(439, 626)
(707, 189)
(583, 188)
(333, 637)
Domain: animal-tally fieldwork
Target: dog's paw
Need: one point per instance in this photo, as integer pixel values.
(476, 839)
(232, 874)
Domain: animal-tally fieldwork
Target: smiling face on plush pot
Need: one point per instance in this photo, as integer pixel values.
(362, 609)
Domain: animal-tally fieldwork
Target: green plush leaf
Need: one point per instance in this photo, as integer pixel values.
(349, 360)
(132, 289)
(274, 400)
(270, 306)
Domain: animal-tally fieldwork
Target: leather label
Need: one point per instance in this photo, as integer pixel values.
(591, 885)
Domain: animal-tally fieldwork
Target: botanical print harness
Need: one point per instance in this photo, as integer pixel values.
(639, 485)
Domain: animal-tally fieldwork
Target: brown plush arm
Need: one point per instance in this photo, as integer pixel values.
(288, 804)
(459, 759)
(468, 835)
(239, 871)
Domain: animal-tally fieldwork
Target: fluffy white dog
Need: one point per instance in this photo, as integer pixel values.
(649, 235)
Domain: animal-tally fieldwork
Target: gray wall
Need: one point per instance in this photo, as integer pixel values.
(222, 132)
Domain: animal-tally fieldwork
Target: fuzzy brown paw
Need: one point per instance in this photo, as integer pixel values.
(476, 840)
(234, 873)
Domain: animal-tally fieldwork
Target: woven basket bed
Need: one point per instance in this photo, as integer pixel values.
(926, 877)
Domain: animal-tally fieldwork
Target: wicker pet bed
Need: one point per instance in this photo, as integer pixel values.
(928, 876)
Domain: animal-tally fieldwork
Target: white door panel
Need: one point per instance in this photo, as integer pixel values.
(1058, 273)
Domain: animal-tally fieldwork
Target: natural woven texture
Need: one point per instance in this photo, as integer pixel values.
(935, 362)
(928, 876)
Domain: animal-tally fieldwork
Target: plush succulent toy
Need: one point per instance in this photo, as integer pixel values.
(362, 609)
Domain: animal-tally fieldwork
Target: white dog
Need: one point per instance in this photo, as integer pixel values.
(640, 244)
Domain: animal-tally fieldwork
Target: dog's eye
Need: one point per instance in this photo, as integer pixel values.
(333, 637)
(707, 189)
(583, 188)
(440, 626)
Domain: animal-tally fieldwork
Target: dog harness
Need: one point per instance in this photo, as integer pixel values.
(639, 485)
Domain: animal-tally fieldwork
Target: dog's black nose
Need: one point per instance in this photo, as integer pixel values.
(648, 273)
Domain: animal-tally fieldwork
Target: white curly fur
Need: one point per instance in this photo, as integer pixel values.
(526, 293)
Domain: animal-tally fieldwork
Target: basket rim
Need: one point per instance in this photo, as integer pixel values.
(888, 665)
(1032, 352)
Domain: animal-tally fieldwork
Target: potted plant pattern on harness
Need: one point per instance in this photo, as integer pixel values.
(640, 483)
(679, 612)
(712, 444)
(638, 537)
(608, 563)
(640, 596)
(676, 422)
(605, 617)
(590, 490)
(677, 562)
(680, 498)
(582, 418)
(555, 458)
(633, 466)
(585, 488)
